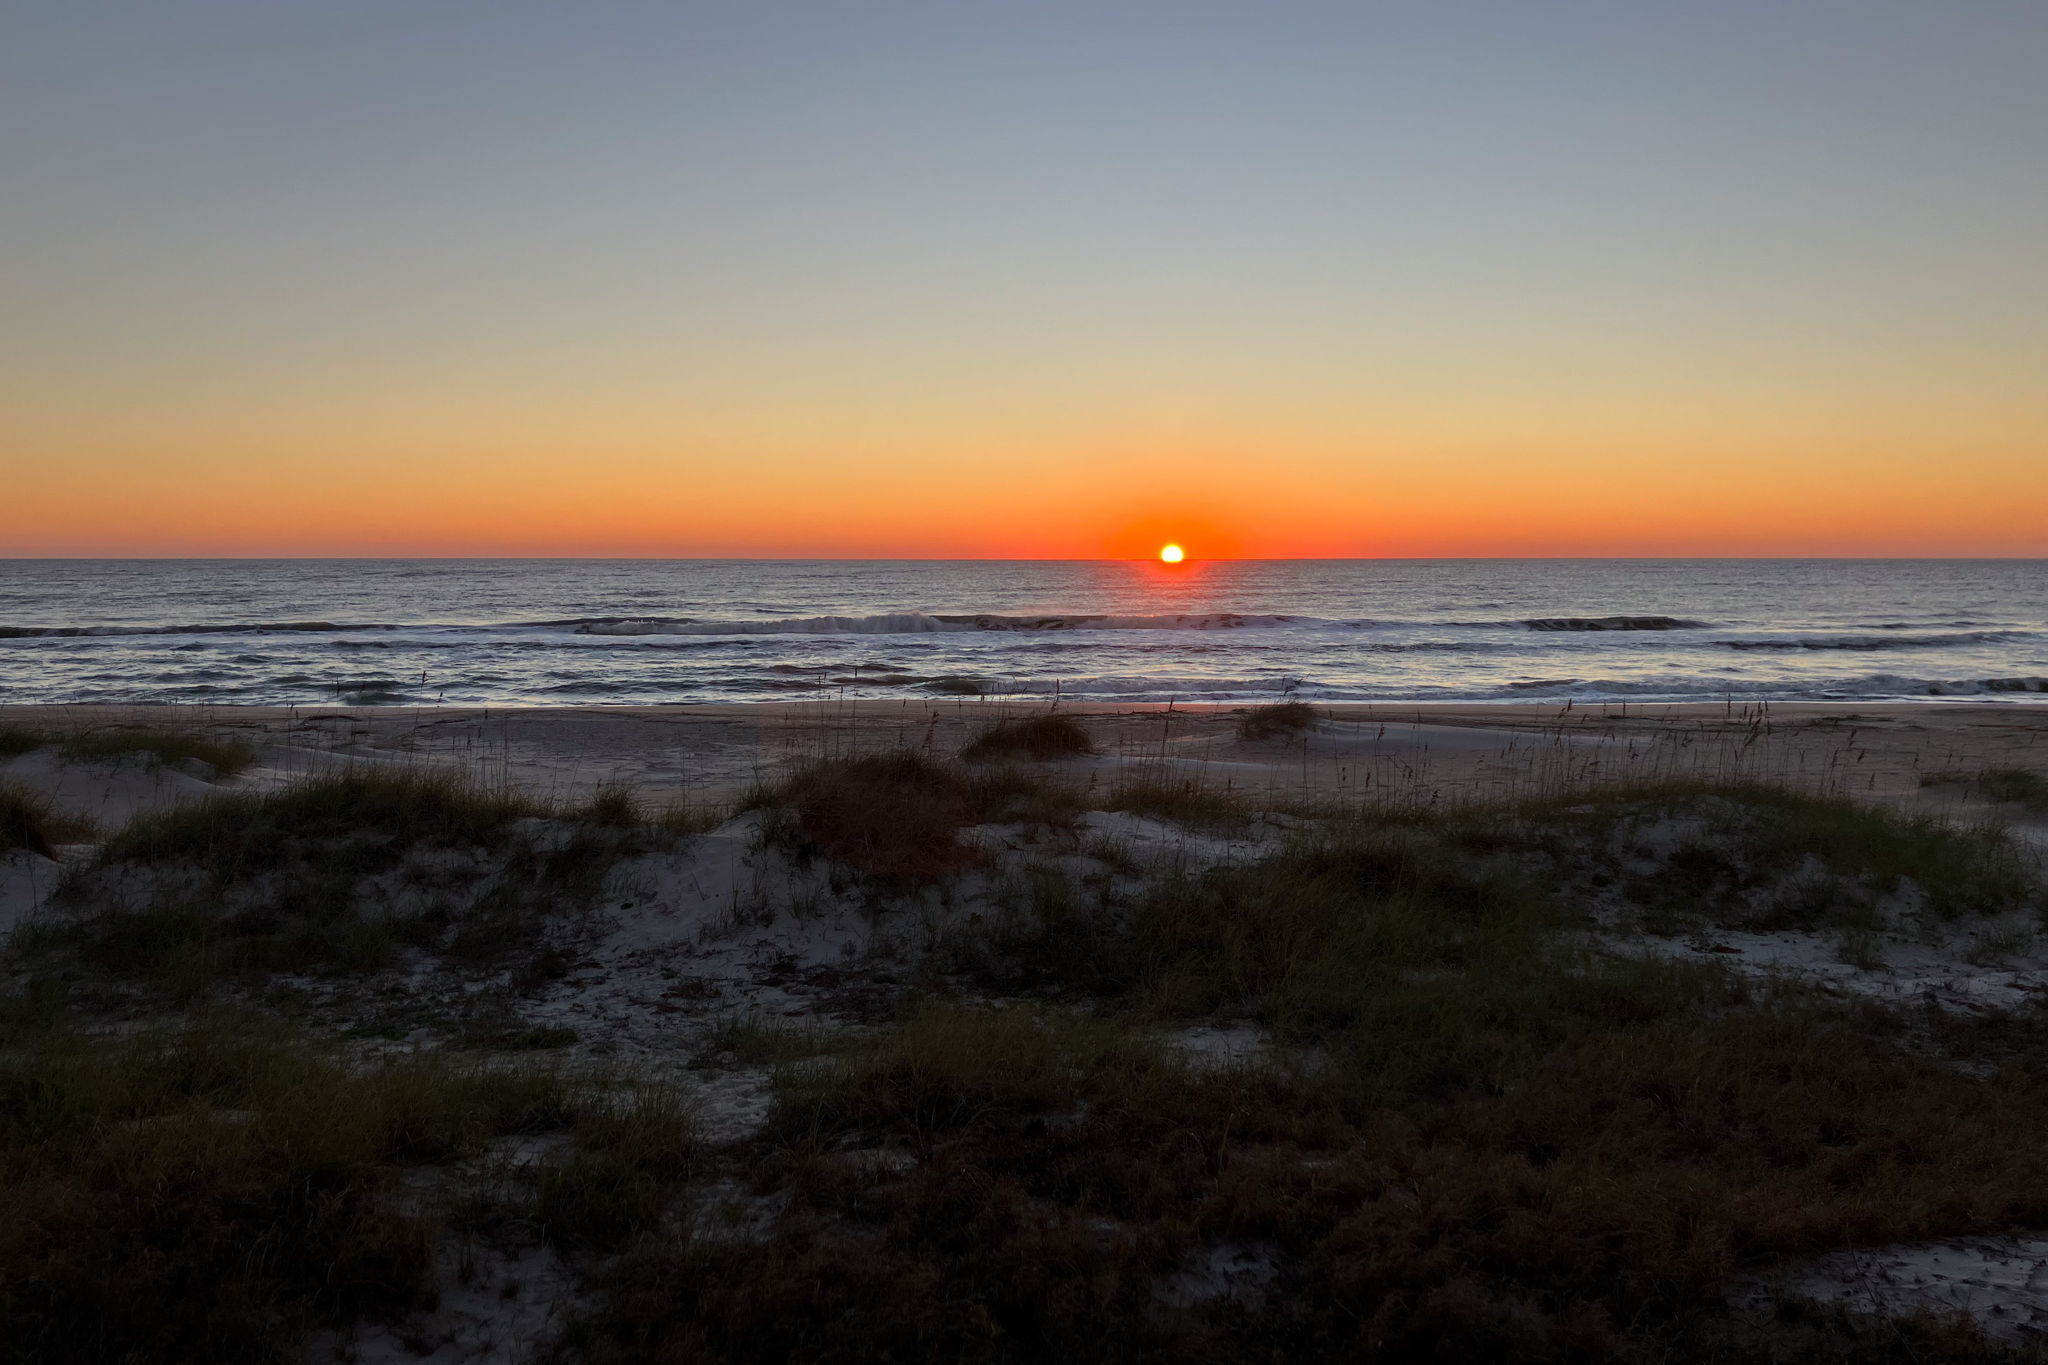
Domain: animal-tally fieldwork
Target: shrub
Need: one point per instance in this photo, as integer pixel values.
(26, 821)
(894, 816)
(1047, 737)
(1281, 720)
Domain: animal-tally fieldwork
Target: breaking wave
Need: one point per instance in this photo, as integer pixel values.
(921, 623)
(1612, 623)
(1877, 642)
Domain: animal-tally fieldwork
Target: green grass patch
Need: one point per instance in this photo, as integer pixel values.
(634, 1151)
(369, 818)
(259, 883)
(1760, 857)
(211, 1195)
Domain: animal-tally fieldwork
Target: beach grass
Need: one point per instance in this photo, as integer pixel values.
(223, 755)
(1281, 720)
(1041, 738)
(1465, 1132)
(1409, 1078)
(28, 820)
(211, 1193)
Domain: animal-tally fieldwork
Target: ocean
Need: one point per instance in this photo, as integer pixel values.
(556, 632)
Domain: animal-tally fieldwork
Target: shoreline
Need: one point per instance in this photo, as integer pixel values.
(714, 752)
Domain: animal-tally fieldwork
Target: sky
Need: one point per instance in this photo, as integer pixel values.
(1036, 278)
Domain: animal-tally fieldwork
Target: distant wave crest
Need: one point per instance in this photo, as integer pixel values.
(920, 623)
(1876, 642)
(1579, 623)
(203, 628)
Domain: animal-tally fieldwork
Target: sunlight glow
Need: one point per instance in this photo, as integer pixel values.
(1171, 554)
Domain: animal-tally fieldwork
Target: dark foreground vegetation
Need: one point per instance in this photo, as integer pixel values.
(223, 755)
(1481, 1119)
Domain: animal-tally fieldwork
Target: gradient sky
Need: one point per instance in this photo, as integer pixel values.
(857, 277)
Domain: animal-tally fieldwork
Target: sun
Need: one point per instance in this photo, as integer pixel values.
(1171, 554)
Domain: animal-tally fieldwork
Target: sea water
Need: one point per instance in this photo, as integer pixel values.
(413, 632)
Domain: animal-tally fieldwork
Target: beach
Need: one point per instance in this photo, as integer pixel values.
(736, 980)
(1353, 752)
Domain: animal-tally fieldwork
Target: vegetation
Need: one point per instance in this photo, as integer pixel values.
(225, 755)
(2019, 786)
(1281, 720)
(16, 740)
(1466, 1128)
(363, 820)
(208, 1195)
(153, 744)
(26, 821)
(1184, 798)
(895, 816)
(1470, 1139)
(1760, 857)
(1042, 738)
(339, 874)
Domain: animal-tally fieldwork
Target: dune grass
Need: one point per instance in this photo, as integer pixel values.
(2018, 786)
(1280, 720)
(339, 874)
(367, 817)
(1475, 1138)
(27, 820)
(226, 755)
(1040, 738)
(1473, 1133)
(1749, 855)
(1184, 798)
(895, 817)
(212, 1194)
(16, 740)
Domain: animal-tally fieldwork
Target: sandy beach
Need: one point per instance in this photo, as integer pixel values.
(700, 907)
(712, 753)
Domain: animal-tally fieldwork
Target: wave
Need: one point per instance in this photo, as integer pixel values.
(1876, 642)
(1577, 623)
(203, 628)
(921, 623)
(889, 623)
(1877, 686)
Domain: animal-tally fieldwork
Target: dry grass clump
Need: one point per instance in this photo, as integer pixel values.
(26, 821)
(16, 740)
(1182, 798)
(210, 1195)
(2017, 786)
(225, 756)
(1281, 720)
(372, 814)
(896, 816)
(153, 744)
(1041, 738)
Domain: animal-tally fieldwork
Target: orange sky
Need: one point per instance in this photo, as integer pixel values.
(1060, 280)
